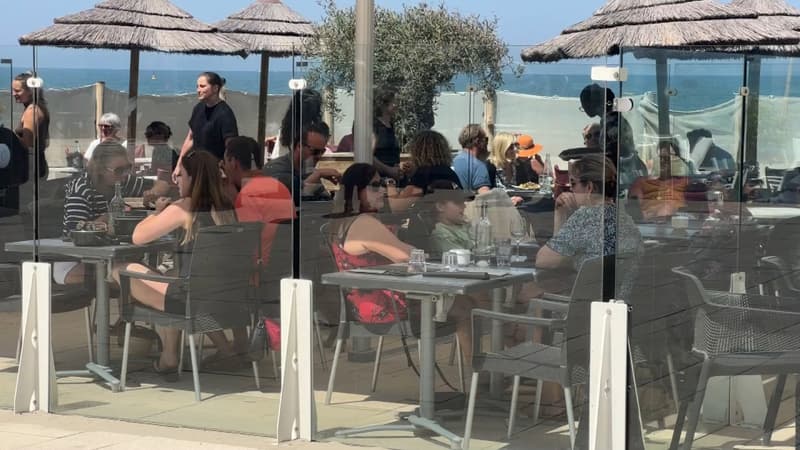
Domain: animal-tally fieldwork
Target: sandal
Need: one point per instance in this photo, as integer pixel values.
(170, 374)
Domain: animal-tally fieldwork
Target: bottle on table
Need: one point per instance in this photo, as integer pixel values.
(546, 177)
(116, 207)
(484, 239)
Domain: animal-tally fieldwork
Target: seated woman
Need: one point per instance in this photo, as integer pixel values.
(587, 221)
(202, 204)
(87, 198)
(431, 159)
(359, 239)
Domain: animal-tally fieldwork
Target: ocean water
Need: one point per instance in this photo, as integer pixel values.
(695, 88)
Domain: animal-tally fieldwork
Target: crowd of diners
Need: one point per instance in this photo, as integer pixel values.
(215, 172)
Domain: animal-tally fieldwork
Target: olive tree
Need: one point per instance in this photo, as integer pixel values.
(418, 52)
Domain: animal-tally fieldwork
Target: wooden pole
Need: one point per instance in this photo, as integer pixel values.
(263, 93)
(99, 104)
(133, 94)
(751, 102)
(327, 114)
(364, 57)
(489, 114)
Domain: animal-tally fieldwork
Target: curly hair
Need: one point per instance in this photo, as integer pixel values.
(429, 148)
(471, 135)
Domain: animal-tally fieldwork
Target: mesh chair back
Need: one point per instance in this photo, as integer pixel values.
(222, 267)
(776, 274)
(774, 178)
(588, 288)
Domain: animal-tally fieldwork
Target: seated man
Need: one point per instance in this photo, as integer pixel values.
(707, 155)
(298, 171)
(469, 165)
(237, 163)
(266, 200)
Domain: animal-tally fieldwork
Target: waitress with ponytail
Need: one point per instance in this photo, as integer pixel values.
(212, 122)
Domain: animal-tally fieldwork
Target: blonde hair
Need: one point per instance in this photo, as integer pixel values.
(500, 144)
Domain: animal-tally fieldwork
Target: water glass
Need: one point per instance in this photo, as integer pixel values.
(450, 261)
(503, 252)
(416, 263)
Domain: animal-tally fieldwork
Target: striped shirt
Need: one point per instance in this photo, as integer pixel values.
(85, 203)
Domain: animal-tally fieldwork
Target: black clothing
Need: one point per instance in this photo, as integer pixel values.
(523, 172)
(175, 298)
(387, 150)
(281, 169)
(425, 176)
(492, 169)
(211, 126)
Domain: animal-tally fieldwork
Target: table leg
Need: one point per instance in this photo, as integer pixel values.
(496, 379)
(427, 393)
(101, 368)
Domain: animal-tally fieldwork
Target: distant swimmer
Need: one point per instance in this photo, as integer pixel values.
(153, 77)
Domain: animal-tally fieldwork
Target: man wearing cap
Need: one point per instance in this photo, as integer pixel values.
(468, 164)
(528, 164)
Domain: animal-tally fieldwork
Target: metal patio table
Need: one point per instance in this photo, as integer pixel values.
(100, 257)
(429, 291)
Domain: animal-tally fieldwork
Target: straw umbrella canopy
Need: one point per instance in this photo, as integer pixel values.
(660, 24)
(135, 25)
(270, 28)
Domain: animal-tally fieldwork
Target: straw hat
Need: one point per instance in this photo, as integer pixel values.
(527, 148)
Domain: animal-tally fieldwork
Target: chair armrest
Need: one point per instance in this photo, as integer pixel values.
(148, 276)
(549, 305)
(125, 277)
(515, 318)
(556, 297)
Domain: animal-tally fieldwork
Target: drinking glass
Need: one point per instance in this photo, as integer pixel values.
(450, 261)
(518, 232)
(416, 262)
(503, 252)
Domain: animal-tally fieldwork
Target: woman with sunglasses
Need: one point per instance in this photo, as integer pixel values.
(202, 203)
(87, 197)
(587, 222)
(109, 127)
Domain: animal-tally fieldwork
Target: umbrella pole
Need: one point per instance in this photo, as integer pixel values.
(752, 101)
(133, 94)
(661, 96)
(262, 107)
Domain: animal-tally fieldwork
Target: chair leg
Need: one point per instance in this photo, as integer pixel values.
(570, 416)
(460, 362)
(123, 372)
(772, 410)
(195, 371)
(473, 392)
(180, 352)
(538, 402)
(274, 357)
(673, 381)
(320, 347)
(679, 421)
(256, 375)
(512, 413)
(694, 408)
(376, 366)
(89, 334)
(334, 365)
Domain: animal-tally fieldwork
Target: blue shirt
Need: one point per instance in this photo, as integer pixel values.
(471, 171)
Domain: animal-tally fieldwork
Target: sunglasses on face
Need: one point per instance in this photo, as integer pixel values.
(315, 151)
(377, 184)
(121, 170)
(573, 182)
(106, 127)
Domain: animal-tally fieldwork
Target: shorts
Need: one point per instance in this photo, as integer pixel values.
(175, 300)
(61, 269)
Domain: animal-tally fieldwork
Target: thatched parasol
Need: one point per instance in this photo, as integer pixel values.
(270, 28)
(135, 25)
(661, 24)
(658, 23)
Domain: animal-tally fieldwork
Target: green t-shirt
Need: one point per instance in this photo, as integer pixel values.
(449, 237)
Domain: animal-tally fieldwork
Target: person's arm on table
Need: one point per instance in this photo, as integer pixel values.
(368, 234)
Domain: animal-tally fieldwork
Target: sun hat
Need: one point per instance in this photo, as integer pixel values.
(527, 148)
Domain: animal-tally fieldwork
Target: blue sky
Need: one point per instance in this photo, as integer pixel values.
(520, 23)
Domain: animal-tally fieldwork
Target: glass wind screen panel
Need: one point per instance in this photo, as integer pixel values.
(707, 220)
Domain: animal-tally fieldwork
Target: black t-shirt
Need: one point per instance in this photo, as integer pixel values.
(387, 150)
(492, 169)
(424, 176)
(211, 126)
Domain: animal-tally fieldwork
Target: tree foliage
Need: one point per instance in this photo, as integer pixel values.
(418, 52)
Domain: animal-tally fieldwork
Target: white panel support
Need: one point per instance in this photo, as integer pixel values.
(297, 415)
(35, 389)
(607, 376)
